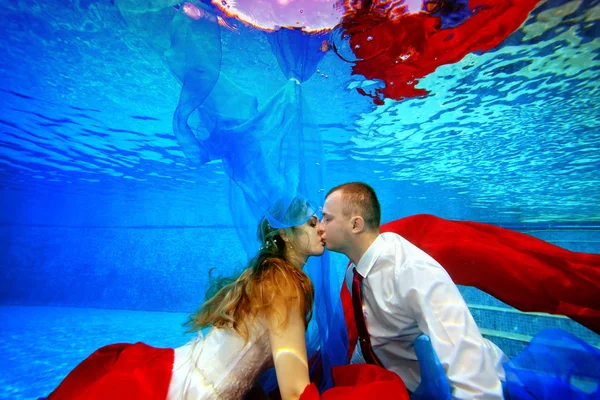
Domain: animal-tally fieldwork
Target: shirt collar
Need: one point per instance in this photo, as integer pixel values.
(371, 255)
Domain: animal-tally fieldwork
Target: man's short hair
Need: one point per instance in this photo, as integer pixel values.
(360, 199)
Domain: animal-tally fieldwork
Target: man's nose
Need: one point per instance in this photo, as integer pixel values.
(321, 228)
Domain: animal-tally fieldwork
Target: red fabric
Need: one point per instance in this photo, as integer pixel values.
(310, 393)
(360, 381)
(119, 371)
(399, 48)
(346, 298)
(520, 270)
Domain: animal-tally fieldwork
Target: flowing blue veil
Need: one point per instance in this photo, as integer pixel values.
(272, 154)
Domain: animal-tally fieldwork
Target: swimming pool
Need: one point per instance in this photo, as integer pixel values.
(107, 231)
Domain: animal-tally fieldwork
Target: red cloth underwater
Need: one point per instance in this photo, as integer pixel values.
(520, 270)
(360, 381)
(138, 371)
(119, 371)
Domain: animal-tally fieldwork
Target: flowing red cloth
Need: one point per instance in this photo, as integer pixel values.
(399, 48)
(520, 270)
(119, 371)
(360, 381)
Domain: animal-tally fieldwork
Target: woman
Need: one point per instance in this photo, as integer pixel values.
(258, 320)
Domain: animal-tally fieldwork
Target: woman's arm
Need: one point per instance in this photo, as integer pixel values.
(288, 345)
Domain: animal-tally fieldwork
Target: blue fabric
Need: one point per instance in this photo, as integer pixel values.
(555, 365)
(300, 159)
(298, 54)
(452, 13)
(434, 383)
(272, 153)
(191, 48)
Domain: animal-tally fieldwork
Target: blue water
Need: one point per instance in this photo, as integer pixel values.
(40, 345)
(100, 211)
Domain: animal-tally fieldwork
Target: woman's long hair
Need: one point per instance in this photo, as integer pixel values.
(269, 279)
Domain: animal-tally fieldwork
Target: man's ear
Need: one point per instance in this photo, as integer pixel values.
(358, 224)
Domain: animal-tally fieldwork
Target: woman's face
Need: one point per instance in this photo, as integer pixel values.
(307, 240)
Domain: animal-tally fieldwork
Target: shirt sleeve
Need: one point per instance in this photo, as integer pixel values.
(442, 314)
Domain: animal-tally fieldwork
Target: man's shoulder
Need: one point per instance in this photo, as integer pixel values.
(392, 242)
(391, 248)
(390, 237)
(405, 252)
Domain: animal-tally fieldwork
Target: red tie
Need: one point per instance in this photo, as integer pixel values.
(363, 334)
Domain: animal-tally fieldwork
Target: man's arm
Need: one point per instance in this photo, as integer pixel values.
(442, 314)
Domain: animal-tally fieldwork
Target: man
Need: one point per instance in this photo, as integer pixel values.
(405, 293)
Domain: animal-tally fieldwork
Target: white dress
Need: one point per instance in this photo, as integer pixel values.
(220, 365)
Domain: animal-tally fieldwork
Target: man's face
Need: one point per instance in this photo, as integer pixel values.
(336, 227)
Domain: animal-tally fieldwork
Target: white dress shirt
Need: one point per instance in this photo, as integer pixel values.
(407, 293)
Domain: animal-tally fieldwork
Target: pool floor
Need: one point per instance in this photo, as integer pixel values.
(40, 345)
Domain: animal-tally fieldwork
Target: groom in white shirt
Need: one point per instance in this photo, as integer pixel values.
(406, 293)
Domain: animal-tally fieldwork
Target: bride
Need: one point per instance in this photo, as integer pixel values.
(257, 321)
